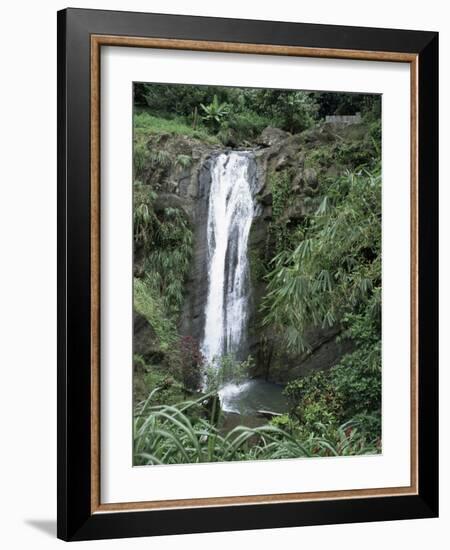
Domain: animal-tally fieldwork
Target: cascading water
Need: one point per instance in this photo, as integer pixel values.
(230, 214)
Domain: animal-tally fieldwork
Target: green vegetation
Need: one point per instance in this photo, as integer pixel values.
(320, 269)
(150, 126)
(237, 115)
(163, 249)
(146, 124)
(214, 114)
(155, 376)
(280, 186)
(335, 269)
(180, 434)
(166, 238)
(332, 278)
(183, 161)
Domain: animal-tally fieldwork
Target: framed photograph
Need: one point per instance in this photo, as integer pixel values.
(247, 254)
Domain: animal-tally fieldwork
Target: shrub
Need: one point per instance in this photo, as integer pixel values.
(314, 399)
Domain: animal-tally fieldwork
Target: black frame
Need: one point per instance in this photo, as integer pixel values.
(75, 521)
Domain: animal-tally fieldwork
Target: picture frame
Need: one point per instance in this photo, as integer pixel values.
(81, 36)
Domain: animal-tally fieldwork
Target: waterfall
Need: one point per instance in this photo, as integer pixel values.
(230, 213)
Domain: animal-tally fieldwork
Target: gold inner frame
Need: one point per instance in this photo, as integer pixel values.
(97, 41)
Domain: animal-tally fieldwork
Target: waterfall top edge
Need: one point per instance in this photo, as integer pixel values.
(229, 151)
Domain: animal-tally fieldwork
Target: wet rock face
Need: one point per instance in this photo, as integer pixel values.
(277, 365)
(193, 314)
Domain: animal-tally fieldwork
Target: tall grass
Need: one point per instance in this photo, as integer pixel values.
(145, 123)
(177, 434)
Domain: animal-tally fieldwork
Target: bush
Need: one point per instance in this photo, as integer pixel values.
(247, 125)
(314, 399)
(147, 378)
(349, 392)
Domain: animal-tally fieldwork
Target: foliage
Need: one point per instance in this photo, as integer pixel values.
(336, 267)
(325, 271)
(183, 161)
(242, 112)
(165, 236)
(215, 113)
(280, 186)
(245, 125)
(166, 99)
(140, 154)
(150, 304)
(159, 159)
(167, 239)
(149, 377)
(332, 103)
(357, 377)
(349, 390)
(168, 434)
(147, 123)
(144, 217)
(314, 399)
(332, 278)
(295, 111)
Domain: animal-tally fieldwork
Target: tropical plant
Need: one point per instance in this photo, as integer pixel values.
(215, 112)
(144, 218)
(167, 239)
(335, 269)
(166, 434)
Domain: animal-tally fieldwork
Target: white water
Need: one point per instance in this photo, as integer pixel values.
(230, 214)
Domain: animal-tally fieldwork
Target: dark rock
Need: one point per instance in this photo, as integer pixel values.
(310, 177)
(145, 342)
(297, 210)
(269, 415)
(266, 198)
(279, 366)
(193, 313)
(170, 200)
(272, 136)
